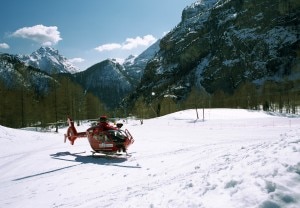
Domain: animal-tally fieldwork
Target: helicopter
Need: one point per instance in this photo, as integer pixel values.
(103, 137)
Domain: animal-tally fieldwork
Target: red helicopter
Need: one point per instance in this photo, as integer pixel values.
(103, 138)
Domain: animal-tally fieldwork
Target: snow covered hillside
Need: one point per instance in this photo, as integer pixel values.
(235, 158)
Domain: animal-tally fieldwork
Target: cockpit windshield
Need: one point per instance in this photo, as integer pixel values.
(117, 133)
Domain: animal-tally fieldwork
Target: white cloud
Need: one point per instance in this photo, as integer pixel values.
(47, 36)
(4, 46)
(76, 60)
(129, 44)
(108, 47)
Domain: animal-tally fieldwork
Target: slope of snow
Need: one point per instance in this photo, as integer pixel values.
(235, 158)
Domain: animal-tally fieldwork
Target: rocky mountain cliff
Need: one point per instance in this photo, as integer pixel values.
(220, 44)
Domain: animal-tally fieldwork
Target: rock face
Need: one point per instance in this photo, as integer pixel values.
(220, 44)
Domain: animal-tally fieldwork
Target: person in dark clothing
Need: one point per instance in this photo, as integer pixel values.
(104, 125)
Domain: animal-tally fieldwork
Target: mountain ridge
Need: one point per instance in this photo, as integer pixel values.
(49, 60)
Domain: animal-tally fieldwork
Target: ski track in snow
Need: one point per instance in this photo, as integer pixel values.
(235, 158)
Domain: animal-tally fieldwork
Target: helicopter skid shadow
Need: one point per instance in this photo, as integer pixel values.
(108, 160)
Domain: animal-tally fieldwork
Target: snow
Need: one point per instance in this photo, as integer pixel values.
(234, 158)
(207, 3)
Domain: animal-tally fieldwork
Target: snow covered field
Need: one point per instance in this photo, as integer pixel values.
(235, 158)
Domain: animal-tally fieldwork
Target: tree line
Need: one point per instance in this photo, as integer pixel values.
(23, 106)
(282, 97)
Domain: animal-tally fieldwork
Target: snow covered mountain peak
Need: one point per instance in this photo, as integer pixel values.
(46, 51)
(135, 65)
(49, 60)
(130, 60)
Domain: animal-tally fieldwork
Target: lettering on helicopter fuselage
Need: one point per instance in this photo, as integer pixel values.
(104, 145)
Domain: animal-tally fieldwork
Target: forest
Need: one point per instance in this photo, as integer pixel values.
(23, 107)
(272, 96)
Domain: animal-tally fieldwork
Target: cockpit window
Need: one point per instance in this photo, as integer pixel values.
(117, 133)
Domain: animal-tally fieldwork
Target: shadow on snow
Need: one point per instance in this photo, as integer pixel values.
(108, 160)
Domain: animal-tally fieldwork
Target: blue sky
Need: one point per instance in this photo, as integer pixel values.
(87, 31)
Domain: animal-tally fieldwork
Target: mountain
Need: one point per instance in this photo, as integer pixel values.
(49, 60)
(135, 65)
(107, 81)
(217, 47)
(221, 44)
(111, 81)
(14, 74)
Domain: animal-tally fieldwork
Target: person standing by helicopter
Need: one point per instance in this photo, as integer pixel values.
(104, 125)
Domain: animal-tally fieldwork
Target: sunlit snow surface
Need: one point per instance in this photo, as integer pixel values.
(235, 158)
